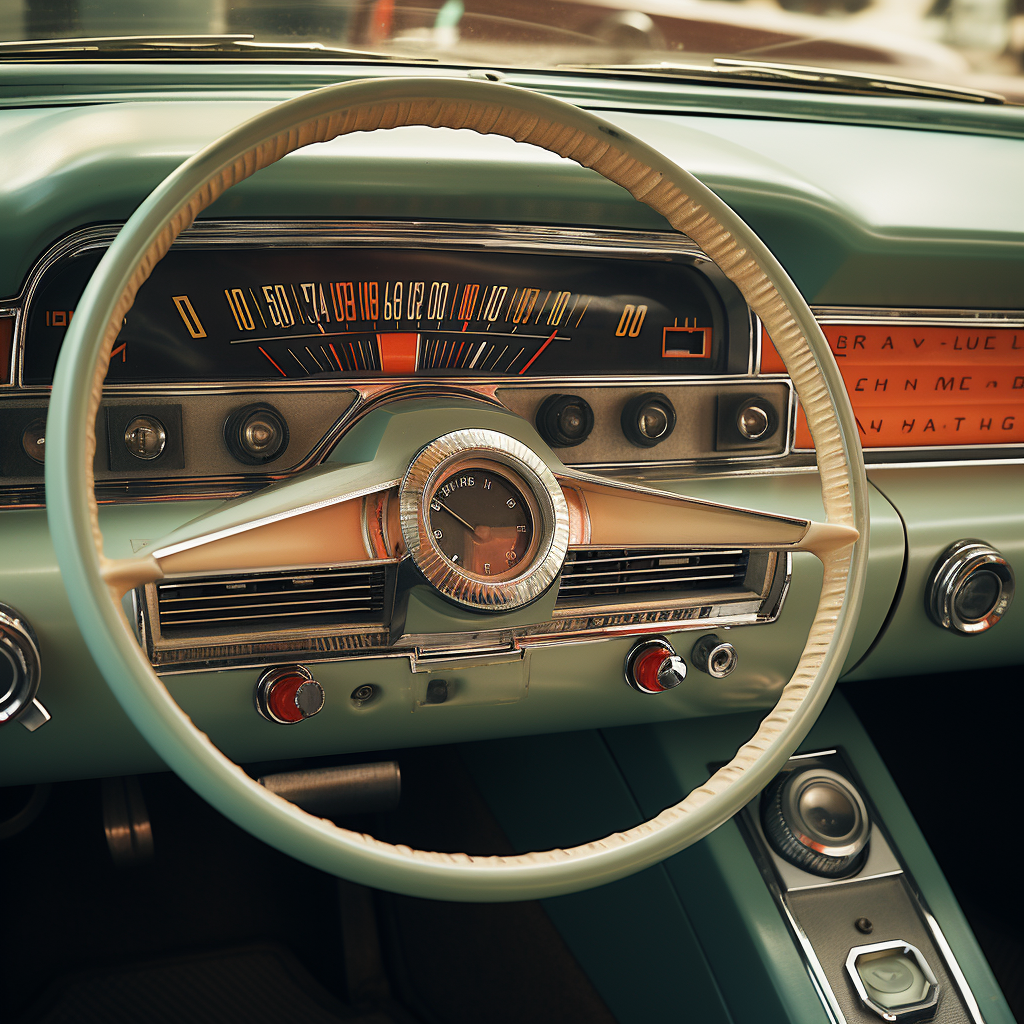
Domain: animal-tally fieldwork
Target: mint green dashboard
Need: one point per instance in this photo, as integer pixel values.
(884, 206)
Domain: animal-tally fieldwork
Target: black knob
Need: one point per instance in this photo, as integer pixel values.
(256, 434)
(815, 818)
(648, 419)
(565, 421)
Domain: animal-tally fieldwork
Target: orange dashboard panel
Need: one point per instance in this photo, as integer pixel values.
(914, 386)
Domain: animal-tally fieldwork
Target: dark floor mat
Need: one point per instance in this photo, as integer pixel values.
(255, 985)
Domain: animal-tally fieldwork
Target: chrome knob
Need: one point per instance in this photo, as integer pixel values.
(753, 421)
(19, 671)
(970, 588)
(715, 657)
(145, 438)
(815, 818)
(288, 695)
(652, 666)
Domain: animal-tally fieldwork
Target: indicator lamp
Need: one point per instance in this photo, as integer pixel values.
(256, 434)
(565, 421)
(648, 419)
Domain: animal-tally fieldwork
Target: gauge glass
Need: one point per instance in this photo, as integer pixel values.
(482, 519)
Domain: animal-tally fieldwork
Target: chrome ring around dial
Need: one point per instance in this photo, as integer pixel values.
(513, 587)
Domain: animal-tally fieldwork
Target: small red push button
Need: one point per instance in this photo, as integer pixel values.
(652, 666)
(288, 695)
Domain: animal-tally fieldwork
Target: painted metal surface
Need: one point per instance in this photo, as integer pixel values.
(940, 506)
(844, 240)
(709, 904)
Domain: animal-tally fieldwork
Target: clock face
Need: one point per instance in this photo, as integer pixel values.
(482, 519)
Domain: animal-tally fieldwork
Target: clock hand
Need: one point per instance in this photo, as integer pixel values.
(455, 515)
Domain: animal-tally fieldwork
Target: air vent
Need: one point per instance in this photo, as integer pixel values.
(639, 573)
(271, 601)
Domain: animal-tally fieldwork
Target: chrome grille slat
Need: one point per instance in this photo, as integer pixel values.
(680, 570)
(272, 600)
(640, 553)
(640, 573)
(226, 581)
(263, 593)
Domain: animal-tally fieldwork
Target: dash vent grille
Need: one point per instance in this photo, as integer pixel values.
(271, 601)
(637, 572)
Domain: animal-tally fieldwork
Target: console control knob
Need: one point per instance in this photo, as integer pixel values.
(652, 666)
(256, 434)
(19, 671)
(755, 420)
(288, 695)
(970, 588)
(815, 819)
(648, 419)
(565, 421)
(715, 657)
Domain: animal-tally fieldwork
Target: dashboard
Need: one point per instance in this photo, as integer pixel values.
(290, 331)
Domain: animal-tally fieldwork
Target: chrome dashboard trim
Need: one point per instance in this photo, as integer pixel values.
(371, 640)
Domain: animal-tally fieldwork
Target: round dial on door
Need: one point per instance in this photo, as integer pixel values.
(482, 520)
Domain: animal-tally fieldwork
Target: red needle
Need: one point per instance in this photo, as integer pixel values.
(538, 352)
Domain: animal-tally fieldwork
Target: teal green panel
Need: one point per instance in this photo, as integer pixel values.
(868, 229)
(661, 762)
(941, 505)
(632, 937)
(739, 927)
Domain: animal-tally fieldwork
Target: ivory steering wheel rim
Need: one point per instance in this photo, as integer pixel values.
(689, 206)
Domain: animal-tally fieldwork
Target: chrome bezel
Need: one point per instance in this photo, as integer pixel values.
(261, 691)
(793, 789)
(954, 568)
(18, 647)
(552, 529)
(913, 1011)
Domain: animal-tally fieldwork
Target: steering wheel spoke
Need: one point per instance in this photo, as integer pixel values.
(621, 516)
(315, 518)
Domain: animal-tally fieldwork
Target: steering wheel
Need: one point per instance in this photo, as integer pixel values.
(96, 584)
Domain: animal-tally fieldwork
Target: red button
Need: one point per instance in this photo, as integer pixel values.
(281, 698)
(646, 668)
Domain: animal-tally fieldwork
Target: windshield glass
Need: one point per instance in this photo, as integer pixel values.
(972, 43)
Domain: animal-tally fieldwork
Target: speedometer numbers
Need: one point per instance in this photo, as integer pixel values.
(271, 313)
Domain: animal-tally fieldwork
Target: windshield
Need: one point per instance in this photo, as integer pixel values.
(970, 43)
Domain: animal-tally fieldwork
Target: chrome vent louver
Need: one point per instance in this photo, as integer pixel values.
(271, 601)
(648, 572)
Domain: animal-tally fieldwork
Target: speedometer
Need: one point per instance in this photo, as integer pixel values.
(272, 313)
